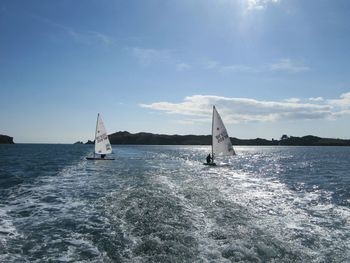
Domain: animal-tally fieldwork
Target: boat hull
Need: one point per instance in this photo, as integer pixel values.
(99, 159)
(210, 164)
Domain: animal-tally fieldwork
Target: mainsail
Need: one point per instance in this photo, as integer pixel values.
(221, 144)
(102, 144)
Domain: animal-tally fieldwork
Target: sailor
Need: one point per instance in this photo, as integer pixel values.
(103, 156)
(209, 158)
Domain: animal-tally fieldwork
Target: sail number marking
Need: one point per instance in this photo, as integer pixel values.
(222, 136)
(101, 138)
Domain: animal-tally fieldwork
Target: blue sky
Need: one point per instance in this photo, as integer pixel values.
(271, 67)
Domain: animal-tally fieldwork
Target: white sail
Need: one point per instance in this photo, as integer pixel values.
(102, 144)
(221, 144)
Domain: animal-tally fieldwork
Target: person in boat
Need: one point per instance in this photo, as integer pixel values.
(209, 158)
(103, 156)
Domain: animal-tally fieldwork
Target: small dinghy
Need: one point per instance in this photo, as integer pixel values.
(102, 144)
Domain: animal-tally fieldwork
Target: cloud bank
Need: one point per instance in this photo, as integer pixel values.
(197, 108)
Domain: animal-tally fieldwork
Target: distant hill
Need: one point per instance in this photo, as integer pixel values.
(311, 140)
(158, 139)
(4, 139)
(124, 137)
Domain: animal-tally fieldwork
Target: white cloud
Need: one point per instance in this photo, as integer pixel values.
(289, 66)
(147, 56)
(342, 102)
(293, 100)
(342, 113)
(244, 109)
(210, 64)
(103, 38)
(83, 37)
(183, 67)
(192, 121)
(91, 37)
(316, 99)
(259, 4)
(235, 68)
(282, 65)
(231, 68)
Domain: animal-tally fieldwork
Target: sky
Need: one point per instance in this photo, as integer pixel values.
(271, 67)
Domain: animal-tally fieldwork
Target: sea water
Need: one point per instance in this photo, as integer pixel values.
(161, 204)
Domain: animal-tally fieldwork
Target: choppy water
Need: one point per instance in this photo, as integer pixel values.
(160, 204)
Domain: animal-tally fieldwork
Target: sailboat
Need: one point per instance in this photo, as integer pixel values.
(102, 144)
(221, 142)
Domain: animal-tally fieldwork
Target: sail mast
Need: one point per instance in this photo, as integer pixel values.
(212, 136)
(98, 115)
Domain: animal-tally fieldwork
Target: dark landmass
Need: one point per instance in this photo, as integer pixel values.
(310, 140)
(4, 139)
(158, 139)
(124, 137)
(78, 142)
(92, 142)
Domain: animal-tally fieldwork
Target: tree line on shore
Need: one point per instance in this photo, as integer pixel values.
(144, 138)
(4, 139)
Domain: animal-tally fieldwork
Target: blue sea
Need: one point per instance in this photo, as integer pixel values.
(161, 204)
